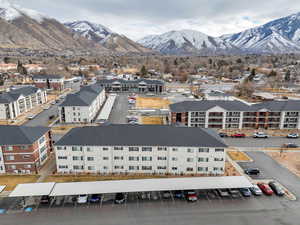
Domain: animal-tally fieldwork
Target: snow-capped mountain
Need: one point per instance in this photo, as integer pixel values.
(278, 36)
(103, 35)
(186, 42)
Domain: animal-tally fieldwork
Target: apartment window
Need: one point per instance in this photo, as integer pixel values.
(76, 158)
(146, 149)
(133, 167)
(26, 156)
(190, 159)
(118, 158)
(133, 158)
(119, 167)
(88, 149)
(62, 157)
(42, 140)
(189, 169)
(190, 150)
(133, 149)
(161, 158)
(91, 167)
(74, 108)
(219, 159)
(147, 158)
(10, 157)
(105, 149)
(78, 167)
(215, 169)
(174, 159)
(203, 149)
(161, 167)
(201, 169)
(27, 166)
(90, 158)
(13, 167)
(118, 148)
(146, 167)
(105, 167)
(175, 149)
(43, 149)
(9, 148)
(219, 150)
(174, 168)
(74, 114)
(74, 148)
(61, 148)
(63, 167)
(23, 147)
(105, 158)
(162, 149)
(203, 159)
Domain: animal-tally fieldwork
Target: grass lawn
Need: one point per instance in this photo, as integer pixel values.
(152, 103)
(238, 156)
(11, 181)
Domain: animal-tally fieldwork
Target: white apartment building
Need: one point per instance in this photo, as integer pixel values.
(83, 106)
(148, 149)
(18, 101)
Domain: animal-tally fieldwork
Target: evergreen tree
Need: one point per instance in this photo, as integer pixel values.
(144, 71)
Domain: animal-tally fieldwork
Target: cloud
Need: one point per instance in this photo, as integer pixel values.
(137, 18)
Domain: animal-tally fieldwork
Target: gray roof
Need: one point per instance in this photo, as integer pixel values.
(21, 135)
(84, 97)
(290, 105)
(47, 76)
(14, 94)
(141, 135)
(205, 105)
(109, 81)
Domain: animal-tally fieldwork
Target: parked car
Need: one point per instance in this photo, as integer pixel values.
(252, 171)
(234, 193)
(154, 196)
(265, 188)
(31, 117)
(59, 200)
(81, 199)
(45, 200)
(70, 199)
(223, 193)
(223, 135)
(245, 192)
(178, 194)
(260, 135)
(119, 198)
(293, 135)
(166, 194)
(238, 135)
(212, 194)
(95, 198)
(278, 190)
(290, 145)
(255, 190)
(191, 196)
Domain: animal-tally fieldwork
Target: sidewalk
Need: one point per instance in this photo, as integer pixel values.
(47, 169)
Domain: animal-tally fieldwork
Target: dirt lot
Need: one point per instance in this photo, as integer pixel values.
(12, 180)
(230, 170)
(152, 103)
(290, 160)
(238, 156)
(152, 120)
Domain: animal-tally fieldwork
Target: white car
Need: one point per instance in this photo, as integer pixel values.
(82, 199)
(295, 135)
(260, 135)
(30, 117)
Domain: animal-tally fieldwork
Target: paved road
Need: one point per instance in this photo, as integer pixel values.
(120, 110)
(253, 142)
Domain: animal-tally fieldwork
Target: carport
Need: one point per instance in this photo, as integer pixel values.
(148, 185)
(32, 190)
(2, 188)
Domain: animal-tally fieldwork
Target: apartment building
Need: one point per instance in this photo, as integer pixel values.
(150, 149)
(24, 149)
(83, 106)
(138, 85)
(236, 114)
(54, 82)
(17, 101)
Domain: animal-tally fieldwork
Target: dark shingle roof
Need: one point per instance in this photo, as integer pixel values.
(208, 104)
(141, 135)
(14, 94)
(290, 105)
(84, 97)
(109, 81)
(20, 135)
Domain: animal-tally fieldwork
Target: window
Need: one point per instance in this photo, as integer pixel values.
(23, 147)
(105, 158)
(190, 159)
(90, 158)
(189, 169)
(174, 168)
(161, 167)
(162, 149)
(133, 149)
(42, 140)
(146, 167)
(105, 167)
(9, 148)
(105, 149)
(147, 158)
(63, 167)
(118, 148)
(27, 166)
(118, 158)
(76, 158)
(201, 169)
(91, 167)
(218, 159)
(161, 158)
(78, 167)
(219, 150)
(189, 150)
(175, 149)
(43, 149)
(62, 157)
(203, 159)
(60, 148)
(74, 148)
(13, 167)
(146, 149)
(88, 149)
(119, 167)
(10, 157)
(133, 167)
(26, 156)
(216, 169)
(133, 158)
(174, 159)
(203, 149)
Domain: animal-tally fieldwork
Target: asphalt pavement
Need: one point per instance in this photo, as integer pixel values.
(120, 110)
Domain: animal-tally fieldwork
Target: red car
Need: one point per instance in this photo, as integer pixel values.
(238, 135)
(265, 188)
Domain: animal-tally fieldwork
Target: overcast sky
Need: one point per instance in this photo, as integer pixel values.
(138, 18)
